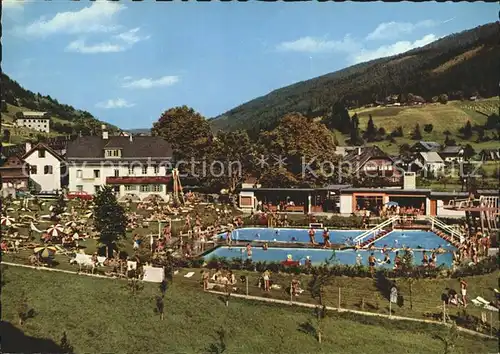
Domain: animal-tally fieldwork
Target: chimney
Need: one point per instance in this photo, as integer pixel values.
(28, 146)
(359, 150)
(104, 132)
(130, 138)
(409, 180)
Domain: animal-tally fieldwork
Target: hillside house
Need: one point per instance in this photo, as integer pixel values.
(429, 161)
(371, 162)
(426, 146)
(489, 155)
(14, 174)
(452, 154)
(39, 121)
(47, 168)
(134, 166)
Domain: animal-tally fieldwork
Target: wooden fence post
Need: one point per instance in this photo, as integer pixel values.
(338, 309)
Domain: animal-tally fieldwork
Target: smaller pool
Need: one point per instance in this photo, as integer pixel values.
(252, 234)
(317, 256)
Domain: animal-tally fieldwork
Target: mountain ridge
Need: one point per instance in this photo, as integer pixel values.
(410, 72)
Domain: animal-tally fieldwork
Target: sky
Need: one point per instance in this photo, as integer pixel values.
(127, 62)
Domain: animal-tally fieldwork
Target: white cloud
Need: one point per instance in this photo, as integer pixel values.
(80, 46)
(392, 30)
(12, 5)
(115, 103)
(131, 37)
(393, 49)
(318, 45)
(119, 43)
(147, 83)
(98, 17)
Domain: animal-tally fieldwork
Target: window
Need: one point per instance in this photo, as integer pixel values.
(79, 173)
(33, 170)
(79, 188)
(41, 154)
(112, 153)
(145, 188)
(156, 169)
(144, 170)
(117, 173)
(47, 169)
(97, 173)
(157, 188)
(130, 187)
(96, 189)
(131, 170)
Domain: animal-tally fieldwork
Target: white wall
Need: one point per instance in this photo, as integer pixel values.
(346, 204)
(106, 169)
(47, 182)
(441, 211)
(38, 124)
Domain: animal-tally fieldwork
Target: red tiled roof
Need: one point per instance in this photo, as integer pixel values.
(138, 180)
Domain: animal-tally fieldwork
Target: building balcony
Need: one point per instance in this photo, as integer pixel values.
(138, 180)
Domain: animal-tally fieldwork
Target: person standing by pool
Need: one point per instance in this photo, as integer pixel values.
(326, 238)
(267, 279)
(308, 262)
(311, 236)
(397, 261)
(425, 259)
(359, 260)
(249, 250)
(463, 289)
(229, 239)
(371, 262)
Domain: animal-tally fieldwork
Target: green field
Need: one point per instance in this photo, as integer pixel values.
(451, 116)
(100, 315)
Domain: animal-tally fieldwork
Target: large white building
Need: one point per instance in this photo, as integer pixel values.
(134, 165)
(39, 121)
(46, 167)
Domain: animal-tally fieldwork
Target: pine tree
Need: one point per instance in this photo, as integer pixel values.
(371, 130)
(109, 219)
(417, 134)
(467, 131)
(355, 136)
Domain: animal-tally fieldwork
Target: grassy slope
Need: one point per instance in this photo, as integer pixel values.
(102, 316)
(451, 117)
(23, 133)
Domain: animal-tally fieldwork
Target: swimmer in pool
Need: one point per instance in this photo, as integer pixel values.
(265, 246)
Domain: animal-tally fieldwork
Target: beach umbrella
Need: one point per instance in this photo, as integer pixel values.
(45, 251)
(55, 230)
(7, 220)
(89, 214)
(76, 236)
(392, 204)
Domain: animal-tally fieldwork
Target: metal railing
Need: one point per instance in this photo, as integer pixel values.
(375, 230)
(450, 230)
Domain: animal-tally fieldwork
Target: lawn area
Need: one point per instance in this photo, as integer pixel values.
(101, 315)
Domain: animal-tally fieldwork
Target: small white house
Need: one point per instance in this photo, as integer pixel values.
(39, 121)
(431, 161)
(46, 167)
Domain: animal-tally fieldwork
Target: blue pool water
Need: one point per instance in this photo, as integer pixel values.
(289, 235)
(413, 239)
(317, 256)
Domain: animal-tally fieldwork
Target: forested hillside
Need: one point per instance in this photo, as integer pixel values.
(65, 119)
(460, 65)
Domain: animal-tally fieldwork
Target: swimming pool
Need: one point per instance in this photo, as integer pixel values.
(289, 235)
(413, 239)
(317, 256)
